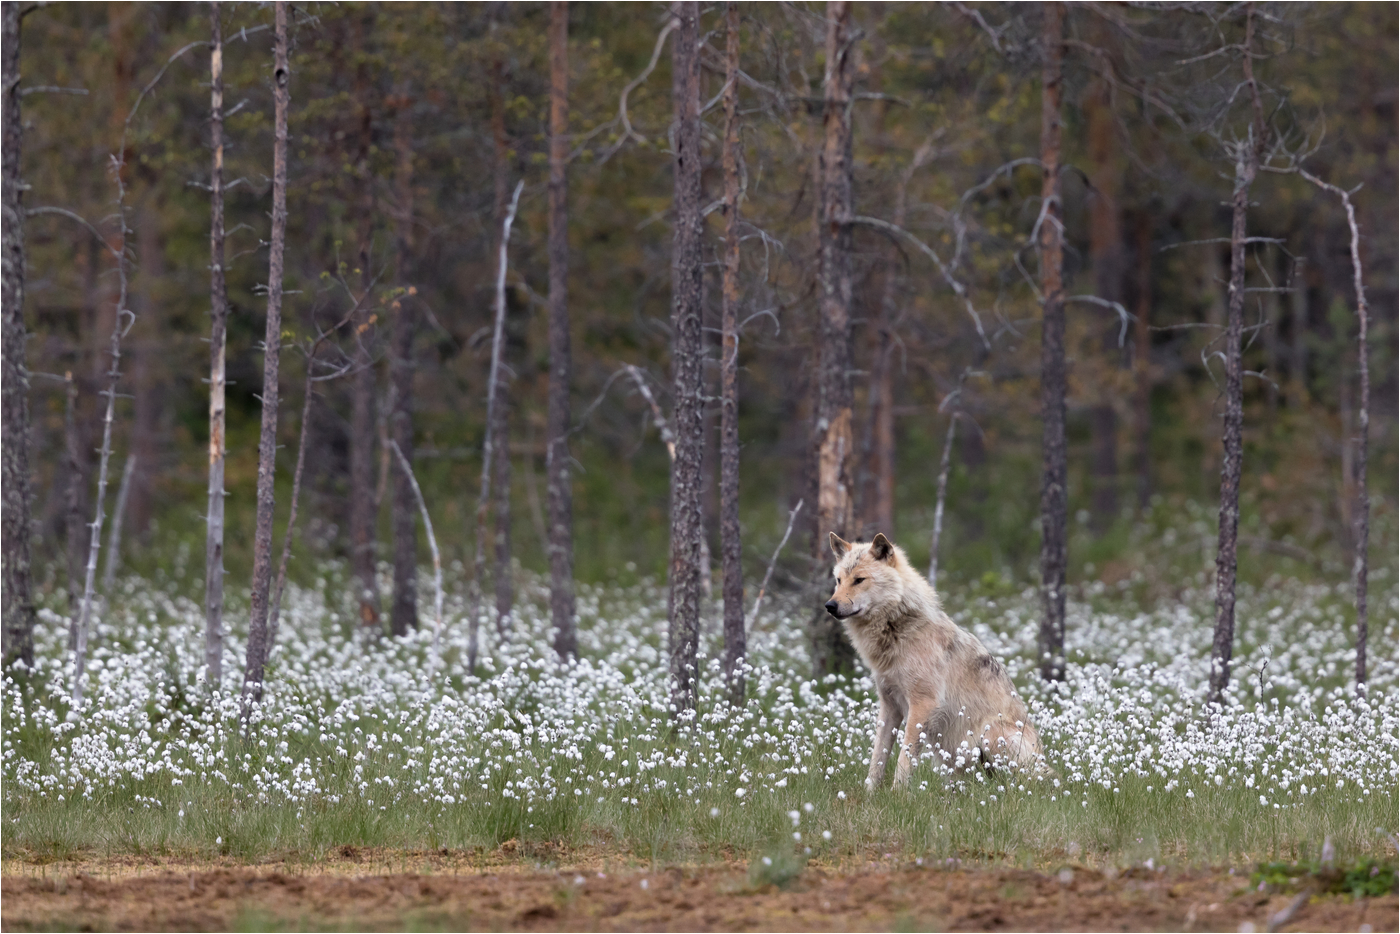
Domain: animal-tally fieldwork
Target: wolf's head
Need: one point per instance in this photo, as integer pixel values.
(867, 576)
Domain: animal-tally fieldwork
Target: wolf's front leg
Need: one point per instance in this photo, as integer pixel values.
(885, 724)
(920, 713)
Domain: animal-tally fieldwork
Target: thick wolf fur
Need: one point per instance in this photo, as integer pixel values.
(936, 678)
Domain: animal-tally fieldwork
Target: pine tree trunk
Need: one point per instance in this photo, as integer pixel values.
(1142, 362)
(500, 429)
(1053, 492)
(15, 552)
(832, 441)
(258, 639)
(687, 352)
(218, 343)
(558, 492)
(1106, 253)
(1246, 167)
(404, 615)
(735, 638)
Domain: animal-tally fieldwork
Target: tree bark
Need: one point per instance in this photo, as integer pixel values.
(687, 351)
(73, 503)
(258, 641)
(114, 535)
(363, 436)
(1298, 303)
(500, 429)
(1246, 167)
(404, 614)
(558, 492)
(1106, 253)
(832, 440)
(218, 345)
(731, 548)
(1053, 493)
(1142, 362)
(15, 553)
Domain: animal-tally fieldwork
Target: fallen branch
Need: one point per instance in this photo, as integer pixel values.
(763, 588)
(432, 546)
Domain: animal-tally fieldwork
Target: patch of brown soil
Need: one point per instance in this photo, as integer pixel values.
(692, 899)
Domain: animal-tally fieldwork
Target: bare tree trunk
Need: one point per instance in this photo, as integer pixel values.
(1053, 492)
(1246, 167)
(15, 553)
(73, 504)
(1298, 303)
(218, 344)
(432, 548)
(687, 351)
(1106, 252)
(274, 611)
(488, 456)
(500, 428)
(114, 535)
(735, 641)
(831, 652)
(558, 492)
(1361, 516)
(258, 642)
(1142, 361)
(943, 469)
(404, 615)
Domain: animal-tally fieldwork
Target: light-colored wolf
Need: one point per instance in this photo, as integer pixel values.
(937, 678)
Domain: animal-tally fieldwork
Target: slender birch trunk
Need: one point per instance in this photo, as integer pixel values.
(404, 615)
(1053, 493)
(259, 644)
(218, 345)
(488, 444)
(735, 641)
(833, 439)
(15, 551)
(558, 492)
(943, 468)
(1247, 155)
(687, 365)
(500, 428)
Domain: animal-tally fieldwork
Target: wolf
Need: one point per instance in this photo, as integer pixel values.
(936, 678)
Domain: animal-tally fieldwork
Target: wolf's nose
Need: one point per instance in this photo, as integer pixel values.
(831, 607)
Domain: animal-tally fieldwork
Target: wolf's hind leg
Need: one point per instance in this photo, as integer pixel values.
(917, 725)
(886, 722)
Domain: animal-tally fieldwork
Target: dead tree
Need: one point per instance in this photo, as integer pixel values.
(1142, 362)
(114, 535)
(218, 345)
(832, 436)
(15, 551)
(1053, 492)
(500, 427)
(404, 614)
(407, 468)
(73, 503)
(558, 492)
(259, 644)
(1246, 154)
(731, 548)
(483, 501)
(687, 360)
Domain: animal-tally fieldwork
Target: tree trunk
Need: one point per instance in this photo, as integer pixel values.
(1106, 253)
(558, 492)
(218, 344)
(1298, 302)
(1246, 167)
(363, 434)
(687, 363)
(500, 429)
(258, 641)
(832, 440)
(15, 553)
(404, 615)
(731, 548)
(114, 535)
(73, 504)
(1142, 361)
(1053, 493)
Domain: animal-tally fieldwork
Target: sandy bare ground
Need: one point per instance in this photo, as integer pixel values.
(364, 890)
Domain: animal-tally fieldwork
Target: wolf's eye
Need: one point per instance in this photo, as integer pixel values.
(858, 580)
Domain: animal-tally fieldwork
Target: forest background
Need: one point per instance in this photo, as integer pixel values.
(945, 96)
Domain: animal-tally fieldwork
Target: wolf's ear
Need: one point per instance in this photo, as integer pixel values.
(880, 548)
(839, 546)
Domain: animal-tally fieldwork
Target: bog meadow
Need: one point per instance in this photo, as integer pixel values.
(423, 424)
